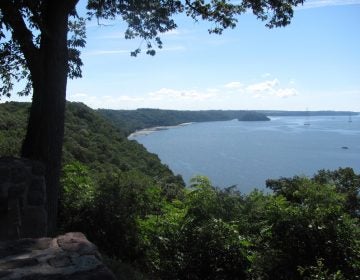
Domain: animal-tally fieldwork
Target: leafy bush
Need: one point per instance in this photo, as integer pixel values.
(77, 196)
(221, 234)
(190, 239)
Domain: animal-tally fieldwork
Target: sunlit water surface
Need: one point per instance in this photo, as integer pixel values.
(247, 153)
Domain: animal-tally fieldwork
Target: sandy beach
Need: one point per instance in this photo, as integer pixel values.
(147, 131)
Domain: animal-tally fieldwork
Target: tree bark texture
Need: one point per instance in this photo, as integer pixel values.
(45, 129)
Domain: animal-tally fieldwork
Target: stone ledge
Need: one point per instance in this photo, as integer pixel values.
(69, 256)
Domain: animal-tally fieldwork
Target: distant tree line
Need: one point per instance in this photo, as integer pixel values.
(307, 113)
(131, 120)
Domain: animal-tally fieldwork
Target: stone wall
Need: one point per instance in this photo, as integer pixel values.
(23, 219)
(22, 199)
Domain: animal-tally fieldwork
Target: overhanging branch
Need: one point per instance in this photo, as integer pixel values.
(13, 19)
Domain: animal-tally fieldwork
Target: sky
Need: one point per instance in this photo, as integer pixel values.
(314, 64)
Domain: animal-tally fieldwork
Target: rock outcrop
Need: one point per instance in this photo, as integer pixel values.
(69, 256)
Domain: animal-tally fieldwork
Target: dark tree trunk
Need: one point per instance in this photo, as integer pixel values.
(45, 130)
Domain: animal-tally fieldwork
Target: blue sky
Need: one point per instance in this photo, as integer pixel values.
(313, 63)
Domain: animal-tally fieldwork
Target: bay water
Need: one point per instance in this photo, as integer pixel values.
(245, 154)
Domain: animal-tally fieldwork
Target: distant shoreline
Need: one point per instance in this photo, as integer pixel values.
(147, 131)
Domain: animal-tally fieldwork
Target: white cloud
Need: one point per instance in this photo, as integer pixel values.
(263, 86)
(213, 90)
(271, 88)
(231, 95)
(234, 85)
(167, 93)
(292, 82)
(164, 97)
(285, 92)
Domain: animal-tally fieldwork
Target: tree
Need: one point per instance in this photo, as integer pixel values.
(40, 41)
(196, 237)
(312, 228)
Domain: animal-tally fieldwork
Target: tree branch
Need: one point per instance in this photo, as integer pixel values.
(70, 4)
(200, 12)
(21, 34)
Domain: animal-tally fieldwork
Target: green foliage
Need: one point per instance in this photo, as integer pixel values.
(319, 272)
(347, 183)
(92, 140)
(78, 187)
(77, 194)
(119, 199)
(249, 116)
(344, 179)
(190, 239)
(221, 234)
(312, 223)
(303, 231)
(107, 212)
(13, 118)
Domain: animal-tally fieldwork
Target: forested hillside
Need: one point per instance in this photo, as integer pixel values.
(89, 139)
(131, 120)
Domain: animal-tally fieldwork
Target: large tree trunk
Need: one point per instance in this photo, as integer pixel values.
(45, 130)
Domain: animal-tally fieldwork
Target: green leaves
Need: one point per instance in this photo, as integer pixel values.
(76, 40)
(319, 272)
(78, 187)
(76, 196)
(191, 239)
(308, 221)
(221, 234)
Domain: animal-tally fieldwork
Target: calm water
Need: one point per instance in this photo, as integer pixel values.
(247, 153)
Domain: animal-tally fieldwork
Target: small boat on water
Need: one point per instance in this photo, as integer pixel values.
(307, 122)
